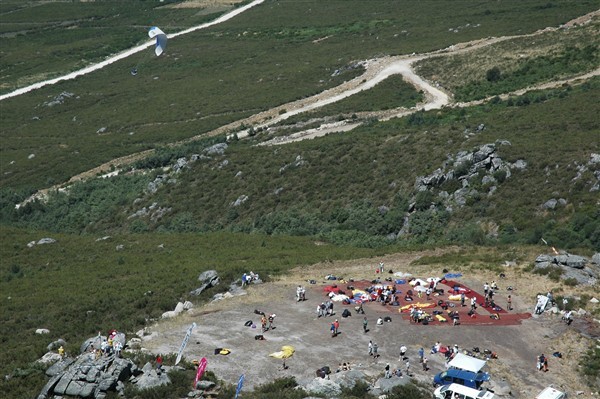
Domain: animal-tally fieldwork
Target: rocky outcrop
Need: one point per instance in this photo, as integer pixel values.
(151, 378)
(207, 279)
(88, 376)
(480, 167)
(580, 268)
(181, 306)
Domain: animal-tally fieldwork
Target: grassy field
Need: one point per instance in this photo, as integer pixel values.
(79, 286)
(222, 74)
(42, 39)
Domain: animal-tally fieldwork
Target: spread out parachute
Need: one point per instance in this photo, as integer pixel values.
(286, 352)
(161, 39)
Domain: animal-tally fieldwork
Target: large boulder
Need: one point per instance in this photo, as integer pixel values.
(385, 385)
(324, 387)
(575, 261)
(93, 342)
(87, 376)
(207, 279)
(348, 379)
(56, 344)
(151, 378)
(50, 357)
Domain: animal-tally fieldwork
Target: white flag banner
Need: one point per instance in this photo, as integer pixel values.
(184, 343)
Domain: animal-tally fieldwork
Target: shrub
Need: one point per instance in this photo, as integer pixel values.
(493, 74)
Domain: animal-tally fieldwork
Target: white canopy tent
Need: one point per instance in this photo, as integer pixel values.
(467, 363)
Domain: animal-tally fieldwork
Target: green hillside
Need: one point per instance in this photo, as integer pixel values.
(235, 204)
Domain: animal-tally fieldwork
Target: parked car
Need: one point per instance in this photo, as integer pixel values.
(551, 393)
(448, 392)
(462, 377)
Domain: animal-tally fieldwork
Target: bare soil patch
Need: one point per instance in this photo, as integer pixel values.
(221, 325)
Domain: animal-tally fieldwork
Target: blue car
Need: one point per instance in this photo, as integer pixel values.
(462, 377)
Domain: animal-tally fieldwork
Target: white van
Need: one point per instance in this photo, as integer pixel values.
(551, 393)
(461, 392)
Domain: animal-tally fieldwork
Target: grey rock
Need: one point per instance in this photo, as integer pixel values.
(596, 258)
(56, 344)
(50, 357)
(519, 164)
(223, 164)
(348, 379)
(180, 164)
(241, 199)
(101, 130)
(152, 379)
(550, 204)
(384, 385)
(575, 261)
(204, 385)
(46, 240)
(483, 152)
(544, 258)
(383, 210)
(208, 279)
(217, 149)
(488, 180)
(324, 387)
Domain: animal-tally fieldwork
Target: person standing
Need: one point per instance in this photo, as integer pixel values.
(462, 299)
(473, 304)
(61, 351)
(387, 371)
(421, 354)
(336, 324)
(408, 368)
(365, 325)
(332, 329)
(370, 348)
(375, 350)
(403, 350)
(509, 302)
(159, 362)
(425, 368)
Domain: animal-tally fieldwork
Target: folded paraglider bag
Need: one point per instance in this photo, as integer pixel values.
(387, 319)
(260, 312)
(320, 373)
(346, 313)
(441, 318)
(312, 281)
(425, 322)
(248, 323)
(259, 337)
(326, 370)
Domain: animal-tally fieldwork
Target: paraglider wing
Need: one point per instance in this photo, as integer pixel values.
(286, 352)
(161, 39)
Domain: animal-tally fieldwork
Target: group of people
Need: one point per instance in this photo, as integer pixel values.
(249, 277)
(542, 363)
(325, 309)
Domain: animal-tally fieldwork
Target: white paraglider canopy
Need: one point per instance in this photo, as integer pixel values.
(161, 39)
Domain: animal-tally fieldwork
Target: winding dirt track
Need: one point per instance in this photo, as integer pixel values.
(376, 71)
